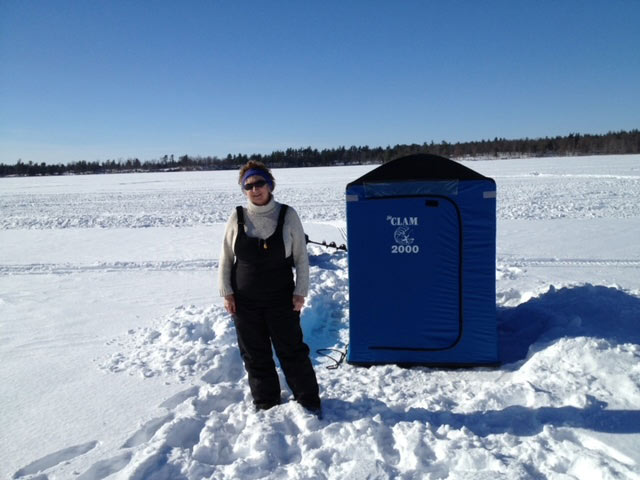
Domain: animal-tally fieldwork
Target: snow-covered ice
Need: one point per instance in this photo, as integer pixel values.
(118, 360)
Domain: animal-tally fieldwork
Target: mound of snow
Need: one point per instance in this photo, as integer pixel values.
(188, 341)
(591, 311)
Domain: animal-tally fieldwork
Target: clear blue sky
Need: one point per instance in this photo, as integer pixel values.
(109, 79)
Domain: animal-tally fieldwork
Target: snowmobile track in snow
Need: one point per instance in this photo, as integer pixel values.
(574, 262)
(210, 264)
(108, 267)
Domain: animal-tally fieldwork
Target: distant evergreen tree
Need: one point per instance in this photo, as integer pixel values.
(621, 142)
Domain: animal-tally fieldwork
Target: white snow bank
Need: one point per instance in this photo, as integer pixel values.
(192, 340)
(189, 341)
(604, 313)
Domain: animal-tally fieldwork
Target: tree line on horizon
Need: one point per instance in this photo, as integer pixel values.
(612, 143)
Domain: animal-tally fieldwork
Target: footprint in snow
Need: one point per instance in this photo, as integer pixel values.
(147, 431)
(184, 432)
(104, 468)
(226, 367)
(217, 399)
(179, 398)
(54, 459)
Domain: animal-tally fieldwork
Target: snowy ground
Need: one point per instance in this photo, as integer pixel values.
(118, 361)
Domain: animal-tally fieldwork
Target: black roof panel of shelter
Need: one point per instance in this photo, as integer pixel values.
(422, 166)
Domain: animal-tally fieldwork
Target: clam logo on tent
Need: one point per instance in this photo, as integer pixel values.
(401, 236)
(397, 221)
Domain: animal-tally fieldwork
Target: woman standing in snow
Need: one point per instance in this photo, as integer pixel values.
(262, 243)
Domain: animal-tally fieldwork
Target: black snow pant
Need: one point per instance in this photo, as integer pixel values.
(258, 327)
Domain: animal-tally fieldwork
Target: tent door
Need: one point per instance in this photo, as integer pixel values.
(414, 301)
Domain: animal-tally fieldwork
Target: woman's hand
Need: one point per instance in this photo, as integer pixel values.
(230, 303)
(298, 302)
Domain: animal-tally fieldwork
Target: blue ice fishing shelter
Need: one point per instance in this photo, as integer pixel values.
(422, 260)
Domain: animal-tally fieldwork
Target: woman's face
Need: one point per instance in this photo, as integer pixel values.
(257, 195)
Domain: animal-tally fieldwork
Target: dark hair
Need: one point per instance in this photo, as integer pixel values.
(255, 164)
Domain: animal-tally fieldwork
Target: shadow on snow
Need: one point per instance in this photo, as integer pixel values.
(325, 260)
(585, 311)
(515, 420)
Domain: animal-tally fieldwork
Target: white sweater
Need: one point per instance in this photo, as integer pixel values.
(261, 221)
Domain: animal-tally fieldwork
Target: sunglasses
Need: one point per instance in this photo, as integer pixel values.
(258, 184)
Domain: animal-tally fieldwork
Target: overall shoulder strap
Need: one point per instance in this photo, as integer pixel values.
(240, 214)
(283, 212)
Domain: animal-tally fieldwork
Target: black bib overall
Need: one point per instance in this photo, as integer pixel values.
(262, 280)
(262, 273)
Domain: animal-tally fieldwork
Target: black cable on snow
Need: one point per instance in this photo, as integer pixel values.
(337, 361)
